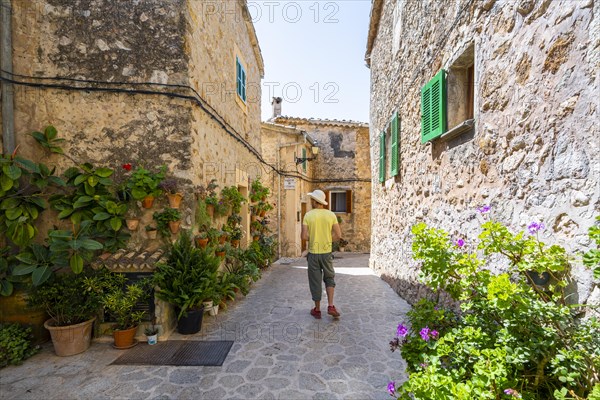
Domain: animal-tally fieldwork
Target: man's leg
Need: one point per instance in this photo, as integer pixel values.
(314, 283)
(326, 261)
(330, 290)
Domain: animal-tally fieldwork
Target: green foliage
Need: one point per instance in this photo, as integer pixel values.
(592, 258)
(232, 199)
(510, 336)
(203, 220)
(72, 298)
(49, 139)
(15, 344)
(258, 191)
(241, 269)
(144, 183)
(163, 218)
(188, 275)
(120, 302)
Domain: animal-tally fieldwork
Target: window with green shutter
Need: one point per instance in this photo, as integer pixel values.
(433, 108)
(304, 157)
(394, 146)
(240, 79)
(382, 157)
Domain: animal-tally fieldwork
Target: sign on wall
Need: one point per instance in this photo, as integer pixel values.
(289, 183)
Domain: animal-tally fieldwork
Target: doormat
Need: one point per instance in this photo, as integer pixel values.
(178, 353)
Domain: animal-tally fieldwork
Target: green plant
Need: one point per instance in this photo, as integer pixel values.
(15, 344)
(151, 330)
(511, 337)
(72, 298)
(241, 268)
(213, 235)
(203, 220)
(143, 183)
(120, 302)
(591, 259)
(73, 248)
(258, 191)
(163, 218)
(232, 199)
(49, 139)
(188, 275)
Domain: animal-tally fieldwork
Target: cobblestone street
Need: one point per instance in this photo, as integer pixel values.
(280, 351)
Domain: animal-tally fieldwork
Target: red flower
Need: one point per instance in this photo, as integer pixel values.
(127, 167)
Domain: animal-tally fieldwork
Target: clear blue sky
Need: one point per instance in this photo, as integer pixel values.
(314, 57)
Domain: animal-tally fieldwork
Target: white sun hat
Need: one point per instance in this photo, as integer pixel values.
(318, 196)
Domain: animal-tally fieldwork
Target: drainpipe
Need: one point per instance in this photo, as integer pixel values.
(279, 189)
(8, 123)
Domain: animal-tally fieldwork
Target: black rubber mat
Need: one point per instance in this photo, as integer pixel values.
(177, 352)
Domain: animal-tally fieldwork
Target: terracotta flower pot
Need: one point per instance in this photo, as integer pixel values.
(255, 238)
(210, 210)
(235, 243)
(263, 213)
(151, 234)
(174, 200)
(125, 338)
(220, 253)
(202, 243)
(253, 217)
(222, 239)
(148, 201)
(72, 339)
(174, 226)
(132, 224)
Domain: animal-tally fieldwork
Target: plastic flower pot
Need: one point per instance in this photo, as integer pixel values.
(208, 304)
(152, 339)
(190, 323)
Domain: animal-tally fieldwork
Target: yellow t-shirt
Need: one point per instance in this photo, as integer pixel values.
(320, 223)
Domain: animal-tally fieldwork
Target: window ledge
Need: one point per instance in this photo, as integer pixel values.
(463, 127)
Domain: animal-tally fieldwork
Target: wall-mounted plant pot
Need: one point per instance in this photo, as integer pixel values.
(210, 210)
(253, 217)
(174, 226)
(539, 279)
(132, 224)
(202, 243)
(220, 253)
(151, 234)
(235, 243)
(148, 201)
(174, 200)
(263, 213)
(255, 238)
(222, 239)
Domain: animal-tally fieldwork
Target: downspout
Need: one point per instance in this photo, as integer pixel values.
(8, 123)
(279, 191)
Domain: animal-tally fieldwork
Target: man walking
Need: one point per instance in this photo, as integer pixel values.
(320, 227)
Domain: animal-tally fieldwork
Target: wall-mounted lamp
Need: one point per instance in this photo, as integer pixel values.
(315, 151)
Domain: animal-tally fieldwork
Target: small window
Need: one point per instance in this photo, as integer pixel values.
(340, 201)
(240, 80)
(461, 87)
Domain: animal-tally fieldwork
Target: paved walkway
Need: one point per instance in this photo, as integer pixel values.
(280, 351)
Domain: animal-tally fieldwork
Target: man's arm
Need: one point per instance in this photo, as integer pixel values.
(336, 232)
(304, 234)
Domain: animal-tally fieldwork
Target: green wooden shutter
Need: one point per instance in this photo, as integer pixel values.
(238, 76)
(433, 108)
(395, 144)
(304, 157)
(382, 157)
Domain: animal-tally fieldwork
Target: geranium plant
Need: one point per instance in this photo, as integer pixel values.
(509, 337)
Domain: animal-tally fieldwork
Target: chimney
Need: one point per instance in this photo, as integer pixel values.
(276, 103)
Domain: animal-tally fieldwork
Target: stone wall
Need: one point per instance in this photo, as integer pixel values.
(533, 154)
(343, 164)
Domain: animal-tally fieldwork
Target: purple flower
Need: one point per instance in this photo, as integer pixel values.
(434, 334)
(401, 331)
(423, 365)
(535, 227)
(424, 334)
(484, 209)
(459, 242)
(391, 388)
(512, 392)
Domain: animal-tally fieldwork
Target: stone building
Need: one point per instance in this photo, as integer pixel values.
(477, 103)
(174, 82)
(340, 169)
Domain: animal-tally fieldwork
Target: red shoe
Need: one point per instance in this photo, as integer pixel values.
(333, 312)
(315, 313)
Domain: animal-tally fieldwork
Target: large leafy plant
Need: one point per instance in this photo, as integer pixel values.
(143, 182)
(512, 337)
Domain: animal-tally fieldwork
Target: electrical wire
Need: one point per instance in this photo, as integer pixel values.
(113, 87)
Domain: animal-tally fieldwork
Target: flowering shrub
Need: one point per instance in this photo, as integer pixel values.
(511, 338)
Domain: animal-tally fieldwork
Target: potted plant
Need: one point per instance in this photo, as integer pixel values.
(143, 185)
(232, 199)
(72, 301)
(214, 236)
(258, 191)
(220, 251)
(201, 239)
(169, 186)
(132, 221)
(170, 218)
(151, 333)
(119, 304)
(151, 231)
(185, 279)
(262, 208)
(255, 236)
(222, 235)
(210, 197)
